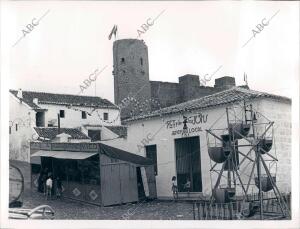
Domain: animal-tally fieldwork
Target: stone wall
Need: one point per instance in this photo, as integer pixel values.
(136, 95)
(131, 75)
(188, 88)
(166, 93)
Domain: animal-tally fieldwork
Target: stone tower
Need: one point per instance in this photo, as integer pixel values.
(131, 76)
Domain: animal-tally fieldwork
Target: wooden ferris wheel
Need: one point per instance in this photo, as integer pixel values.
(242, 156)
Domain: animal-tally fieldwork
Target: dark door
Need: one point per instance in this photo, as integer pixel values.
(141, 191)
(40, 119)
(188, 163)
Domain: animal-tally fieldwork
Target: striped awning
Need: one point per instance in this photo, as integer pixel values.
(63, 154)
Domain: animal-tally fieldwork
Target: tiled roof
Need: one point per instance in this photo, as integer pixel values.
(63, 99)
(232, 95)
(51, 132)
(119, 130)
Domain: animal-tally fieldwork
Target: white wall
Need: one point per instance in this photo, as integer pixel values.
(21, 114)
(280, 113)
(73, 116)
(165, 141)
(139, 130)
(24, 116)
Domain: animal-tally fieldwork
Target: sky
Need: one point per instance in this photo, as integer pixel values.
(71, 41)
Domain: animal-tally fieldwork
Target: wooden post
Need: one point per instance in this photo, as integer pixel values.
(194, 210)
(58, 123)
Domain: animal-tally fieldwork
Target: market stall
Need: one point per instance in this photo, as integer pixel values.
(94, 172)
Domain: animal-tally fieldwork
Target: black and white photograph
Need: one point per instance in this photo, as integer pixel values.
(149, 114)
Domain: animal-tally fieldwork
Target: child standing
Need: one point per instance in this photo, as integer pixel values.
(174, 188)
(49, 184)
(187, 186)
(58, 187)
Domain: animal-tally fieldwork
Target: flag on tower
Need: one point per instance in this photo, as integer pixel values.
(113, 32)
(245, 78)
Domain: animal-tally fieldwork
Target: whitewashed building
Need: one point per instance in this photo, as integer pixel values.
(160, 136)
(40, 116)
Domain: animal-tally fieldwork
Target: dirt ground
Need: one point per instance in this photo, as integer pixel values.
(151, 210)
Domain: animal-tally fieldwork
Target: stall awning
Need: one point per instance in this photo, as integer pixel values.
(63, 154)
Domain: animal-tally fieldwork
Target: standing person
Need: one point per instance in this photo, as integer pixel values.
(44, 179)
(40, 182)
(174, 188)
(49, 184)
(187, 186)
(58, 187)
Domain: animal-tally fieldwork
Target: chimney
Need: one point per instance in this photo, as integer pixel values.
(58, 123)
(35, 101)
(20, 94)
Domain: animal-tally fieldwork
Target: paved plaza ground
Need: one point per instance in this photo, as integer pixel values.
(151, 210)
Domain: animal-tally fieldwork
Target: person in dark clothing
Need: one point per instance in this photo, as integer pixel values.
(44, 178)
(58, 187)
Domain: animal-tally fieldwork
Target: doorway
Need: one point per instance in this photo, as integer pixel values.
(140, 185)
(188, 164)
(40, 119)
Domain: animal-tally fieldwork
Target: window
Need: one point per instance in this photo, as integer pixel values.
(16, 127)
(95, 135)
(122, 60)
(83, 114)
(141, 60)
(151, 153)
(40, 119)
(10, 130)
(62, 113)
(105, 116)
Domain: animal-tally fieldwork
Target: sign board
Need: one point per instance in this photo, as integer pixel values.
(193, 123)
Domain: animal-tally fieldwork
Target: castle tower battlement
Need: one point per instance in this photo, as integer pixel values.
(131, 74)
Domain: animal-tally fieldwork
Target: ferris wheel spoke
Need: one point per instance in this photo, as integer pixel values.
(209, 131)
(274, 158)
(275, 188)
(240, 180)
(245, 156)
(251, 175)
(212, 168)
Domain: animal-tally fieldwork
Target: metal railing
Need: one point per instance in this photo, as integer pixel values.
(204, 210)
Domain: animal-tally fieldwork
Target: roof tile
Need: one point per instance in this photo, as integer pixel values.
(63, 99)
(51, 132)
(232, 95)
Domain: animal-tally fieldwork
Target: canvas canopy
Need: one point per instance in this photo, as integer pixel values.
(63, 154)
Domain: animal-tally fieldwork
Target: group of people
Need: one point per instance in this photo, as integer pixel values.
(49, 185)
